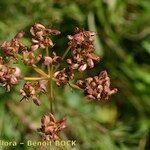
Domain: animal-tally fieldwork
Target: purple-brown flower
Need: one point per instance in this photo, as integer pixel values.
(97, 87)
(40, 36)
(63, 76)
(50, 127)
(12, 47)
(29, 58)
(53, 60)
(9, 76)
(32, 90)
(82, 46)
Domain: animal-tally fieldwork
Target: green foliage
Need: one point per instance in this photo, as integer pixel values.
(123, 41)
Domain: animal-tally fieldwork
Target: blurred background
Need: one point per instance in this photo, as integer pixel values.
(123, 42)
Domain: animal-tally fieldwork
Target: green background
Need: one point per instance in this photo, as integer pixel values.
(123, 42)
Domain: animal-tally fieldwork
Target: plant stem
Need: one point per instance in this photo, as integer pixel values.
(50, 83)
(74, 86)
(41, 72)
(66, 52)
(49, 96)
(51, 88)
(63, 57)
(37, 69)
(34, 78)
(48, 67)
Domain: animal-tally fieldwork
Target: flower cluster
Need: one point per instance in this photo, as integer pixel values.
(53, 60)
(29, 58)
(32, 90)
(97, 87)
(9, 76)
(41, 36)
(82, 46)
(12, 47)
(50, 127)
(63, 76)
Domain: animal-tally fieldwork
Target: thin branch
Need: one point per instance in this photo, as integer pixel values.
(48, 67)
(63, 57)
(74, 86)
(41, 72)
(34, 78)
(66, 52)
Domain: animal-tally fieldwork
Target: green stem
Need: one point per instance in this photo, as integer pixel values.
(48, 67)
(63, 57)
(41, 72)
(51, 88)
(37, 69)
(66, 52)
(50, 83)
(50, 96)
(34, 78)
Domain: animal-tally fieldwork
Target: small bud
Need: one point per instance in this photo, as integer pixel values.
(19, 35)
(50, 43)
(36, 101)
(70, 37)
(55, 32)
(39, 26)
(90, 97)
(13, 80)
(90, 63)
(35, 41)
(32, 31)
(89, 80)
(48, 60)
(74, 66)
(40, 33)
(69, 61)
(34, 47)
(17, 72)
(93, 84)
(82, 67)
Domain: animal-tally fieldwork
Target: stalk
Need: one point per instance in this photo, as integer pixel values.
(38, 70)
(63, 57)
(66, 52)
(50, 83)
(48, 67)
(34, 78)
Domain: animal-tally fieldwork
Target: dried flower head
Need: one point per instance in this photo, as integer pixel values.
(63, 76)
(82, 39)
(12, 48)
(29, 58)
(32, 90)
(50, 127)
(82, 46)
(53, 60)
(97, 87)
(41, 36)
(9, 76)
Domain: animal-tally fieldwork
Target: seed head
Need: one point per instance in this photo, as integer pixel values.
(63, 76)
(50, 127)
(97, 87)
(12, 48)
(32, 91)
(82, 46)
